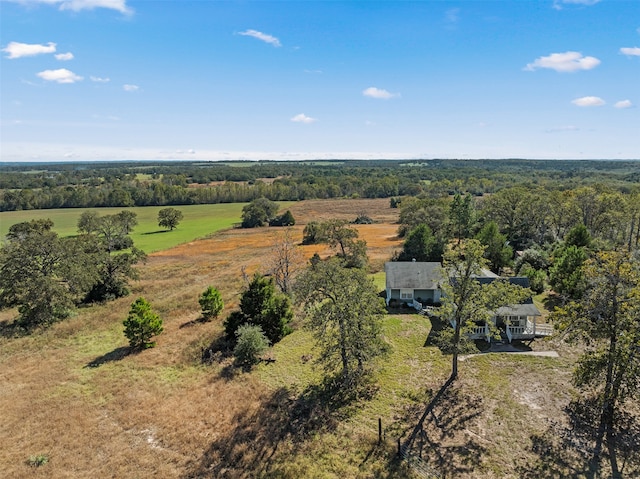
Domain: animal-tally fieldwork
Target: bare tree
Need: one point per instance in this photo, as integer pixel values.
(286, 261)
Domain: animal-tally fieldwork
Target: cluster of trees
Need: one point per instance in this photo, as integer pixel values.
(261, 212)
(340, 236)
(544, 235)
(76, 185)
(46, 276)
(605, 319)
(582, 243)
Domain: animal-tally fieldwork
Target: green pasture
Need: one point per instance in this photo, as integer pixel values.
(198, 221)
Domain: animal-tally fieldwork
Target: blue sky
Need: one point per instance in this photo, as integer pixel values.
(124, 79)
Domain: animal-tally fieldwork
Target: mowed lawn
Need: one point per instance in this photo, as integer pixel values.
(198, 221)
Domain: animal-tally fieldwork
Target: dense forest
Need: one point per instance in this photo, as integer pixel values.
(78, 185)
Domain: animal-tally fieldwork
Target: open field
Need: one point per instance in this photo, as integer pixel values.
(198, 222)
(74, 393)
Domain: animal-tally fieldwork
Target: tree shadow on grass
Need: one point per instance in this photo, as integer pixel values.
(566, 447)
(115, 355)
(11, 329)
(440, 445)
(194, 322)
(265, 439)
(155, 232)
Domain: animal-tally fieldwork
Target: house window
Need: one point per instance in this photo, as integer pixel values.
(406, 294)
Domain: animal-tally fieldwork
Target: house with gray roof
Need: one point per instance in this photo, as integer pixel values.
(418, 284)
(409, 281)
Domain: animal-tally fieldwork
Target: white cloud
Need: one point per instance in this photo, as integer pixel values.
(631, 51)
(564, 62)
(130, 88)
(588, 101)
(64, 57)
(262, 36)
(623, 104)
(61, 75)
(452, 15)
(77, 5)
(379, 93)
(302, 118)
(19, 50)
(99, 79)
(557, 4)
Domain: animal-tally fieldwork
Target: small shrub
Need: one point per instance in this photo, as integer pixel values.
(211, 303)
(363, 219)
(251, 343)
(285, 219)
(141, 325)
(38, 460)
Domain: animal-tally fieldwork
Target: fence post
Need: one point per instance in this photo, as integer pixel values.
(379, 430)
(399, 453)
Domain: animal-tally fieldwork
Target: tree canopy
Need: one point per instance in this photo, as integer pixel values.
(344, 312)
(606, 319)
(261, 305)
(169, 218)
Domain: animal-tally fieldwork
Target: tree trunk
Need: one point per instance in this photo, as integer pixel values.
(456, 346)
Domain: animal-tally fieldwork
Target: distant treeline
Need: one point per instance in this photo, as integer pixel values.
(122, 184)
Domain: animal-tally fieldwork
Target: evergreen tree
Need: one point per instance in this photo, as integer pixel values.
(497, 251)
(263, 306)
(141, 325)
(211, 303)
(421, 245)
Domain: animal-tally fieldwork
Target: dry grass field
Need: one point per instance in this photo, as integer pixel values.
(74, 393)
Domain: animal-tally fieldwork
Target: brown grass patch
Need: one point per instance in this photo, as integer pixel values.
(153, 413)
(73, 392)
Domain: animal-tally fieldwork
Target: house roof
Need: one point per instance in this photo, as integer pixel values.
(521, 281)
(526, 309)
(413, 275)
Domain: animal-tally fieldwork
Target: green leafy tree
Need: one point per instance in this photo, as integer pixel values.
(251, 342)
(537, 277)
(497, 251)
(312, 233)
(211, 303)
(466, 301)
(344, 240)
(605, 318)
(20, 231)
(108, 237)
(534, 257)
(263, 306)
(578, 236)
(88, 222)
(111, 231)
(566, 276)
(421, 245)
(128, 220)
(114, 272)
(344, 312)
(169, 218)
(141, 325)
(461, 215)
(285, 219)
(259, 213)
(42, 274)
